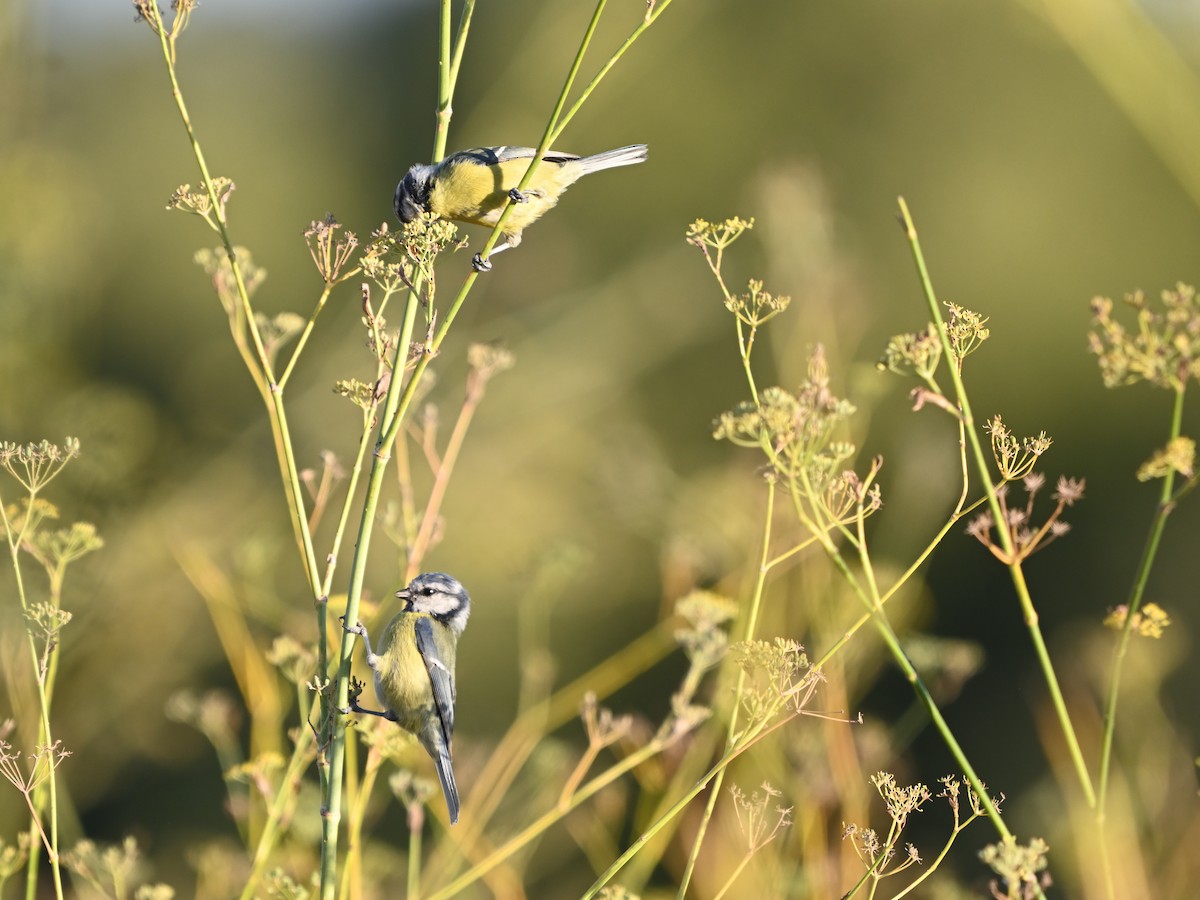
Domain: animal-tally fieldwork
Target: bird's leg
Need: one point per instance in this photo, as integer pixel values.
(353, 693)
(361, 630)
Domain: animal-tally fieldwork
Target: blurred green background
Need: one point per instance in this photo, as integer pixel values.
(1038, 146)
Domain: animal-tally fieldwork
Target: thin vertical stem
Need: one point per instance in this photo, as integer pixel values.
(1141, 578)
(764, 566)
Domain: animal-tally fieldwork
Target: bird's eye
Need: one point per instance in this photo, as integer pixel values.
(428, 592)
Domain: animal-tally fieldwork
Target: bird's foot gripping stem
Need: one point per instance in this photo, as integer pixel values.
(479, 264)
(354, 691)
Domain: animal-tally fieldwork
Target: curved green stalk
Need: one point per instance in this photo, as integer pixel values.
(262, 371)
(1016, 573)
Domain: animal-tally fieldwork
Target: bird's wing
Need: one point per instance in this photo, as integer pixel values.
(440, 676)
(491, 156)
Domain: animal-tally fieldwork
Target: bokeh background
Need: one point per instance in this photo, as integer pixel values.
(1047, 151)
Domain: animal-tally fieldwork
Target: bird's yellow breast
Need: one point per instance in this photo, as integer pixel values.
(403, 679)
(470, 192)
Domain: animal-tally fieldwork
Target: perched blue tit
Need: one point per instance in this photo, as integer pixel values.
(414, 669)
(474, 186)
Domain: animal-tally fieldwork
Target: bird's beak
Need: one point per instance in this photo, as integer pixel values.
(405, 597)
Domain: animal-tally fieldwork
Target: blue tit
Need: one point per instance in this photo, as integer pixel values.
(474, 185)
(414, 669)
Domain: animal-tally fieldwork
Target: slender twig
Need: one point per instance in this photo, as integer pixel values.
(302, 341)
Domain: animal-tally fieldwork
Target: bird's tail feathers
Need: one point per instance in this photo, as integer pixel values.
(445, 771)
(611, 159)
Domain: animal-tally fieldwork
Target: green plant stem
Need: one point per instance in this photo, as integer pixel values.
(448, 68)
(35, 830)
(933, 866)
(650, 18)
(166, 40)
(1015, 571)
(262, 370)
(694, 763)
(744, 347)
(868, 875)
(445, 110)
(1017, 574)
(350, 863)
(548, 135)
(46, 702)
(389, 424)
(302, 341)
(764, 566)
(1166, 504)
(395, 408)
(919, 688)
(899, 583)
(558, 119)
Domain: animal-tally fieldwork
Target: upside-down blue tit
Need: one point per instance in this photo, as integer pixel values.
(474, 186)
(414, 669)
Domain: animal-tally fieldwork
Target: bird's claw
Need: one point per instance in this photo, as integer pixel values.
(479, 264)
(516, 196)
(356, 628)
